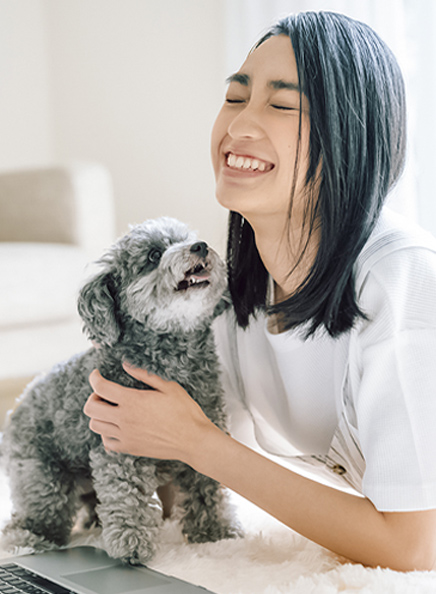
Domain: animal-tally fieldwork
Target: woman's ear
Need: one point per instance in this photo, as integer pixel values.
(97, 308)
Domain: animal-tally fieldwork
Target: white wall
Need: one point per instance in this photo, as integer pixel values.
(26, 133)
(136, 85)
(132, 84)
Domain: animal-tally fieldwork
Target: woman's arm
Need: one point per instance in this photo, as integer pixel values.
(166, 423)
(346, 524)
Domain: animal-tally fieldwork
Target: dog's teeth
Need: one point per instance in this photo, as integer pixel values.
(197, 276)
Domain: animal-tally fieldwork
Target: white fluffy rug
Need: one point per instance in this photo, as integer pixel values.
(271, 559)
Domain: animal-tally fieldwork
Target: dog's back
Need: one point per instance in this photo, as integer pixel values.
(49, 421)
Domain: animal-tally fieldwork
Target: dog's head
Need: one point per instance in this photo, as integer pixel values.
(160, 275)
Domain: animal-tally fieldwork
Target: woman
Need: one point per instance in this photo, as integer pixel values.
(332, 352)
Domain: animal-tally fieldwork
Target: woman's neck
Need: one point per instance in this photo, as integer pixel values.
(287, 254)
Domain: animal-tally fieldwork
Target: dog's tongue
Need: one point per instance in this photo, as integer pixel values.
(194, 278)
(202, 275)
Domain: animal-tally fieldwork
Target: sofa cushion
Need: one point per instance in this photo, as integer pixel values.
(39, 282)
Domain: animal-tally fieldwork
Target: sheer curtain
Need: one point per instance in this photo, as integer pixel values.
(409, 28)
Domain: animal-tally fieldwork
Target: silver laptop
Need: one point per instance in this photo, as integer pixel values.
(84, 570)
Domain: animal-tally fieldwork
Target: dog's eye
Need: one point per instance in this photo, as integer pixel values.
(154, 256)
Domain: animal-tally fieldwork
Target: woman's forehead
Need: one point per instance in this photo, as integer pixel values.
(271, 65)
(273, 60)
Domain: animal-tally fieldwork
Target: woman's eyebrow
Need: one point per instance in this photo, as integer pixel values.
(245, 80)
(242, 79)
(283, 84)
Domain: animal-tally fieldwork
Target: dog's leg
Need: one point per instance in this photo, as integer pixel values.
(206, 514)
(45, 501)
(129, 509)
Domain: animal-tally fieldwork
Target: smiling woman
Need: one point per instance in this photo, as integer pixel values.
(328, 350)
(265, 122)
(256, 135)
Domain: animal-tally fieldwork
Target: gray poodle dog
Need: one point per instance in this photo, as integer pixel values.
(152, 305)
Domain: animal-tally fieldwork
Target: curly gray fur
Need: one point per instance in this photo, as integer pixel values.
(152, 305)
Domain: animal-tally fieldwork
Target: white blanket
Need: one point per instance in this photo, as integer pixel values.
(270, 559)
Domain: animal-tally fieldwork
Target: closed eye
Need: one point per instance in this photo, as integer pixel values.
(284, 108)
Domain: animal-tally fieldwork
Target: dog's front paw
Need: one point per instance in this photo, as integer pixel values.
(129, 545)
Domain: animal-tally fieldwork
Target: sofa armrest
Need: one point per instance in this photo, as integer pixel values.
(67, 204)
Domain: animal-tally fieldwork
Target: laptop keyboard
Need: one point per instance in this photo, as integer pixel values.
(17, 580)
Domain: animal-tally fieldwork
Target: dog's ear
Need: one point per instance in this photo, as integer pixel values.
(98, 310)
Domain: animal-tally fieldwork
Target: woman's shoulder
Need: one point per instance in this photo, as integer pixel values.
(395, 240)
(395, 276)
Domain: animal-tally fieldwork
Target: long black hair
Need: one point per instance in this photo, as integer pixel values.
(357, 149)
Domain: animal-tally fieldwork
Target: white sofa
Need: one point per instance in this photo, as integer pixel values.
(53, 222)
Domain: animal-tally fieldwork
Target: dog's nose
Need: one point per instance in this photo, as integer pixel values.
(200, 249)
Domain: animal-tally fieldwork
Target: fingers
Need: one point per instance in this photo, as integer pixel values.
(98, 408)
(127, 418)
(100, 413)
(104, 388)
(154, 381)
(108, 431)
(103, 417)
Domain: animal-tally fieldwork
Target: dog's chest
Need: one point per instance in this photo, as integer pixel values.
(189, 360)
(174, 357)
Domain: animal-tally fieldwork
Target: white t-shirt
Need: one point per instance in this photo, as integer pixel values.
(360, 408)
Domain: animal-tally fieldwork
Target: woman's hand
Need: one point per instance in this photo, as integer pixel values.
(164, 422)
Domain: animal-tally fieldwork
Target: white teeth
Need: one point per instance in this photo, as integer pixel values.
(245, 163)
(195, 281)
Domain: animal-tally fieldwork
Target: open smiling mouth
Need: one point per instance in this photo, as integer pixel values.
(196, 277)
(241, 163)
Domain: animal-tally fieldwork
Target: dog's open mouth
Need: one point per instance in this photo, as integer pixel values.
(196, 277)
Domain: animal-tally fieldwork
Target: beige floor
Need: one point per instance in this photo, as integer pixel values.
(10, 389)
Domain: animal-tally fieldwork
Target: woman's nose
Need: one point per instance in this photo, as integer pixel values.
(246, 124)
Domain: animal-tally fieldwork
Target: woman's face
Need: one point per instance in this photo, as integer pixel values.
(255, 136)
